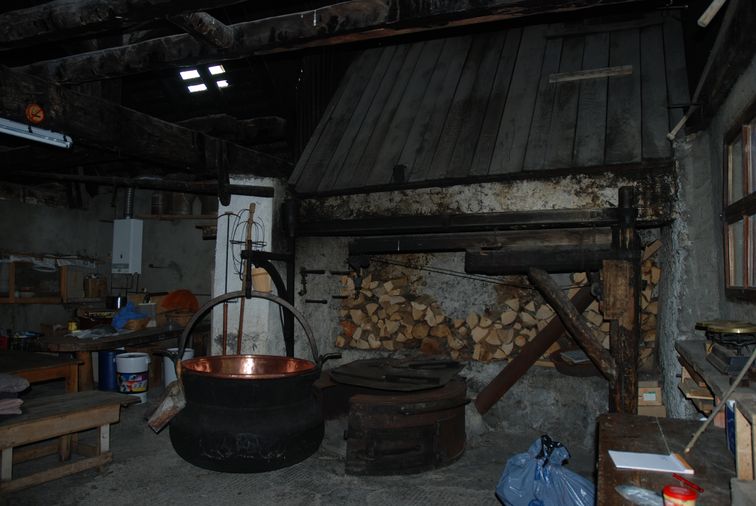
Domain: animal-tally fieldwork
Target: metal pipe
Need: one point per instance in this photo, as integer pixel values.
(129, 210)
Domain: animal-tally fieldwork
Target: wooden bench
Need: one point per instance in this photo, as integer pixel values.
(61, 417)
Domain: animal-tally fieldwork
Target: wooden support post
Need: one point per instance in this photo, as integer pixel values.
(64, 447)
(85, 376)
(576, 324)
(620, 280)
(103, 439)
(6, 467)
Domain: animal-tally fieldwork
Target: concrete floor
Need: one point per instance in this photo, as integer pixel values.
(145, 469)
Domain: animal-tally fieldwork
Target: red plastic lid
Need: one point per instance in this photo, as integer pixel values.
(683, 493)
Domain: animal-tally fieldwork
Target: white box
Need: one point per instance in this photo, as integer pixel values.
(127, 246)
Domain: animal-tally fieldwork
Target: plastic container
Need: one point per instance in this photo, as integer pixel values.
(106, 370)
(133, 373)
(679, 496)
(169, 369)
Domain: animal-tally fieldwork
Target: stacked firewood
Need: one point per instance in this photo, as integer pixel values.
(388, 315)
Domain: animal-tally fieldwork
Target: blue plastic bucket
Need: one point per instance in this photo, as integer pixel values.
(106, 370)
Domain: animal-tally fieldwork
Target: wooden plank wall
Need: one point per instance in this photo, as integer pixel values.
(482, 105)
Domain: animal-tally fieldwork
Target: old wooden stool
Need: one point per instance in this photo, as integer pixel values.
(62, 417)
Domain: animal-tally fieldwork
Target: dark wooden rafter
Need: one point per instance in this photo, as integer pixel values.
(246, 132)
(205, 28)
(150, 183)
(524, 243)
(344, 22)
(733, 50)
(575, 323)
(61, 19)
(105, 125)
(413, 224)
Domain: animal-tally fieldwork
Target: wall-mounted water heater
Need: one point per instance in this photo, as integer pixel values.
(127, 246)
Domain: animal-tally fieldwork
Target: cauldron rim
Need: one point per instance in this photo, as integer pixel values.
(282, 367)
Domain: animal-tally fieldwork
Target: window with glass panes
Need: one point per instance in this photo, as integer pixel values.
(740, 207)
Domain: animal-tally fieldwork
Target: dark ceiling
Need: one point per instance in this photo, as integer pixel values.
(276, 95)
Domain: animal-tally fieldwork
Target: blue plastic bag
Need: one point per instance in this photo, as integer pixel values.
(126, 313)
(537, 478)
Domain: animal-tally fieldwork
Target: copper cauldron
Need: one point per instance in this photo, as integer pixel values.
(248, 413)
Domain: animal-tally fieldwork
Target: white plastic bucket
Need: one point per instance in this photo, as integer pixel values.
(133, 373)
(169, 369)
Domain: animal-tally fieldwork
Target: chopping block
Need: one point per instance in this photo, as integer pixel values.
(61, 417)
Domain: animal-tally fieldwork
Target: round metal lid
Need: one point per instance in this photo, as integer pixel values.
(733, 328)
(707, 324)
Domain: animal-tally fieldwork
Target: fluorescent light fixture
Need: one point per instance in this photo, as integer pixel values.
(222, 83)
(189, 74)
(35, 134)
(216, 69)
(194, 88)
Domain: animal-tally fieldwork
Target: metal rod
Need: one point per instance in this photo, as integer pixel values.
(245, 280)
(225, 327)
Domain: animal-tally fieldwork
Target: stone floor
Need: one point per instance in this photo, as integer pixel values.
(145, 469)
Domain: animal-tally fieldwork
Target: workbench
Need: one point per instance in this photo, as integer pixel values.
(712, 462)
(83, 348)
(693, 357)
(36, 367)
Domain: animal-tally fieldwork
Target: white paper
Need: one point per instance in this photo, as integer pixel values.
(649, 462)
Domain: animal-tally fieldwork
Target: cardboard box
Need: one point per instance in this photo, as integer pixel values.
(660, 411)
(649, 393)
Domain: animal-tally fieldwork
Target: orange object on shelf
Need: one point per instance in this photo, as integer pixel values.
(181, 299)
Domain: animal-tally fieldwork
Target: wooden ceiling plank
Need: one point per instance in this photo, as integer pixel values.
(348, 21)
(62, 19)
(105, 125)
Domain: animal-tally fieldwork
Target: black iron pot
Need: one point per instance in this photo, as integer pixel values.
(248, 413)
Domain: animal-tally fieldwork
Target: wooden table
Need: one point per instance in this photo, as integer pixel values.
(714, 465)
(37, 367)
(83, 348)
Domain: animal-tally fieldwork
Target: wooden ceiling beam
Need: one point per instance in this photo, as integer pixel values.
(62, 19)
(349, 21)
(104, 125)
(252, 131)
(205, 28)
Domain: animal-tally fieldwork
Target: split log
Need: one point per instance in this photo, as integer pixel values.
(544, 312)
(472, 320)
(478, 334)
(584, 335)
(507, 317)
(514, 304)
(420, 330)
(527, 320)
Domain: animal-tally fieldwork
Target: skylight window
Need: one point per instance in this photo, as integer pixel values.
(216, 69)
(194, 88)
(222, 83)
(189, 74)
